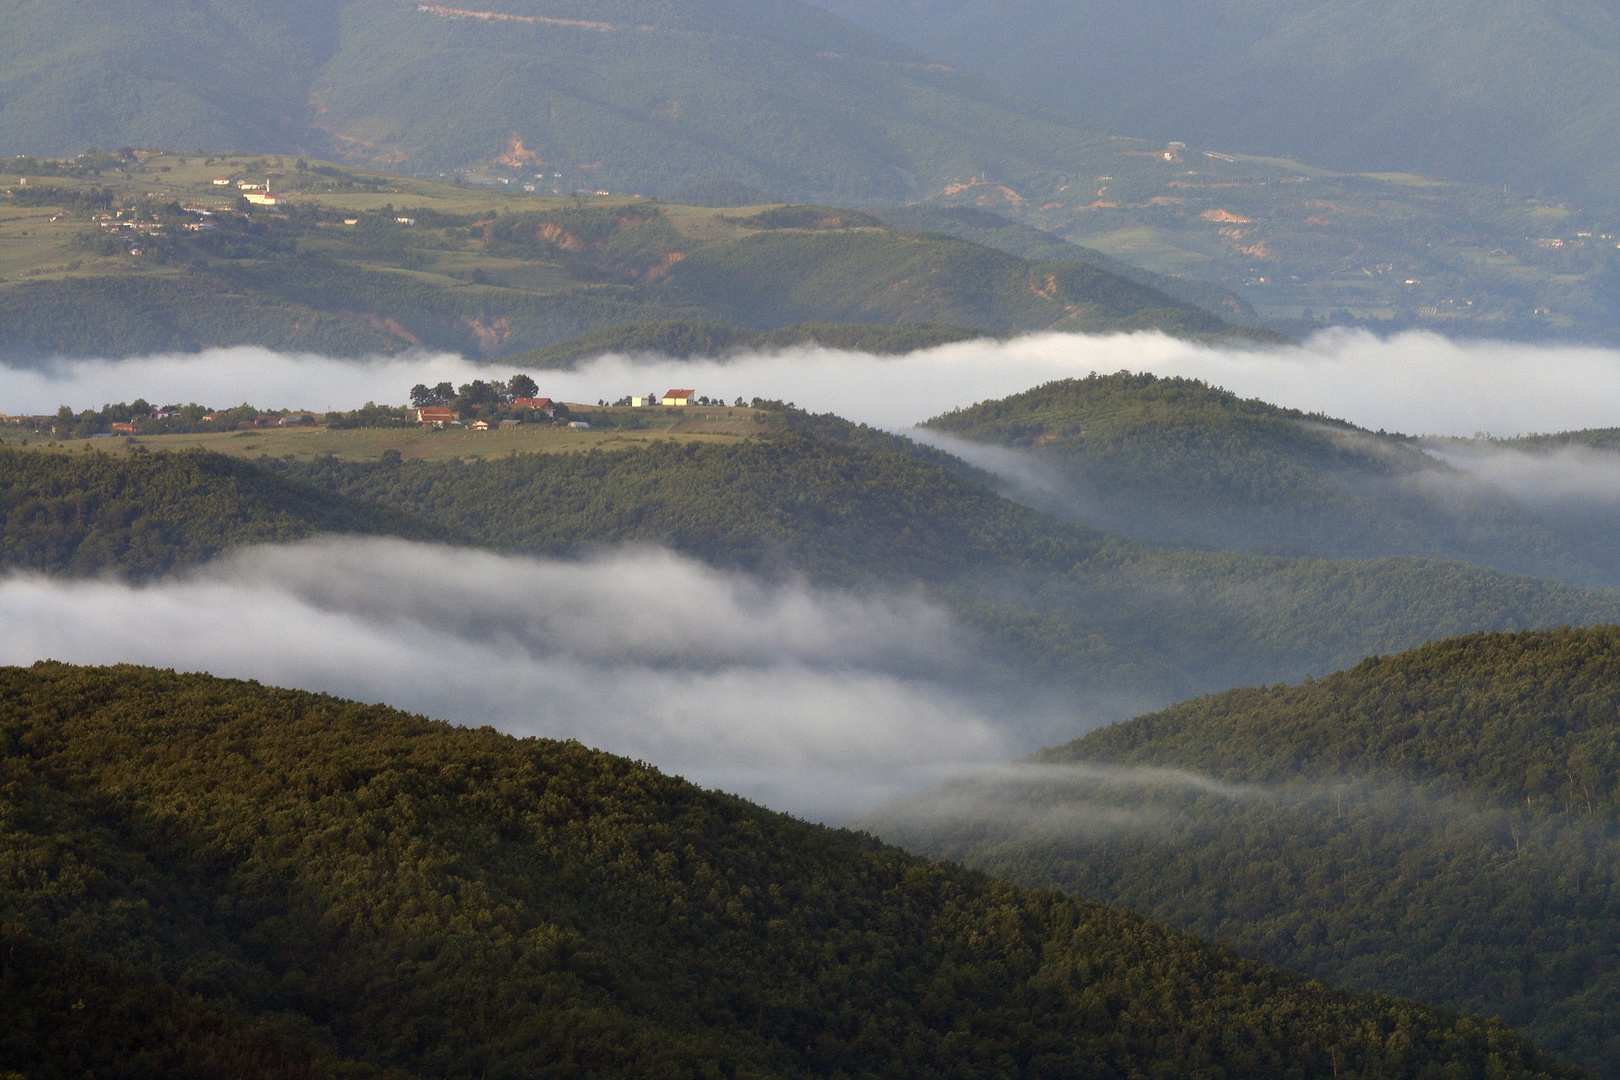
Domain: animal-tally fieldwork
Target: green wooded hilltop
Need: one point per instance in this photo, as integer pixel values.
(1178, 460)
(1439, 824)
(206, 877)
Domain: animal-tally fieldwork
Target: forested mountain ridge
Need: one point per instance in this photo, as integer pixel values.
(1174, 459)
(635, 97)
(1438, 824)
(216, 876)
(1495, 93)
(342, 269)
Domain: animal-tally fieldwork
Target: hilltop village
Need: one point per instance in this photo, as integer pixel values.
(479, 405)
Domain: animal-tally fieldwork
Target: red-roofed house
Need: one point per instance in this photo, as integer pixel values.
(679, 397)
(435, 414)
(539, 404)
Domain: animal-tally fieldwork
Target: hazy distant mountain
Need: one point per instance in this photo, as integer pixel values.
(1525, 92)
(643, 96)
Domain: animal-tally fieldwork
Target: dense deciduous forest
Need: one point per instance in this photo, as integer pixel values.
(146, 514)
(209, 877)
(1439, 824)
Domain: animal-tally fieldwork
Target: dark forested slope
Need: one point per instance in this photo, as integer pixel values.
(1176, 459)
(206, 877)
(1440, 824)
(143, 514)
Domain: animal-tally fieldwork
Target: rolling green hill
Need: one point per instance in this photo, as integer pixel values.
(1519, 93)
(208, 877)
(104, 265)
(1178, 460)
(1439, 824)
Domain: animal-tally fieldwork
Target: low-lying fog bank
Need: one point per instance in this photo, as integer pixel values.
(822, 703)
(1415, 383)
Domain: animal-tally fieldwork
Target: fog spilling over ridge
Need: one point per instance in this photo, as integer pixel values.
(818, 702)
(1415, 383)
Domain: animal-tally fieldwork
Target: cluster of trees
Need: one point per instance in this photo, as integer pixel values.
(88, 164)
(1442, 824)
(488, 400)
(149, 419)
(477, 392)
(343, 889)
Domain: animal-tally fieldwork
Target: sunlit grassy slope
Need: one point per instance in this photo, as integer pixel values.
(1439, 824)
(361, 262)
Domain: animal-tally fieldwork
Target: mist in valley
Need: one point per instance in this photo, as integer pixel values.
(1417, 383)
(819, 702)
(824, 703)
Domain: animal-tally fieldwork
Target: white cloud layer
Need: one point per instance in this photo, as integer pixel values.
(1556, 479)
(1415, 383)
(821, 703)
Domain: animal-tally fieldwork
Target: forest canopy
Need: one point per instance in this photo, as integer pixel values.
(207, 877)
